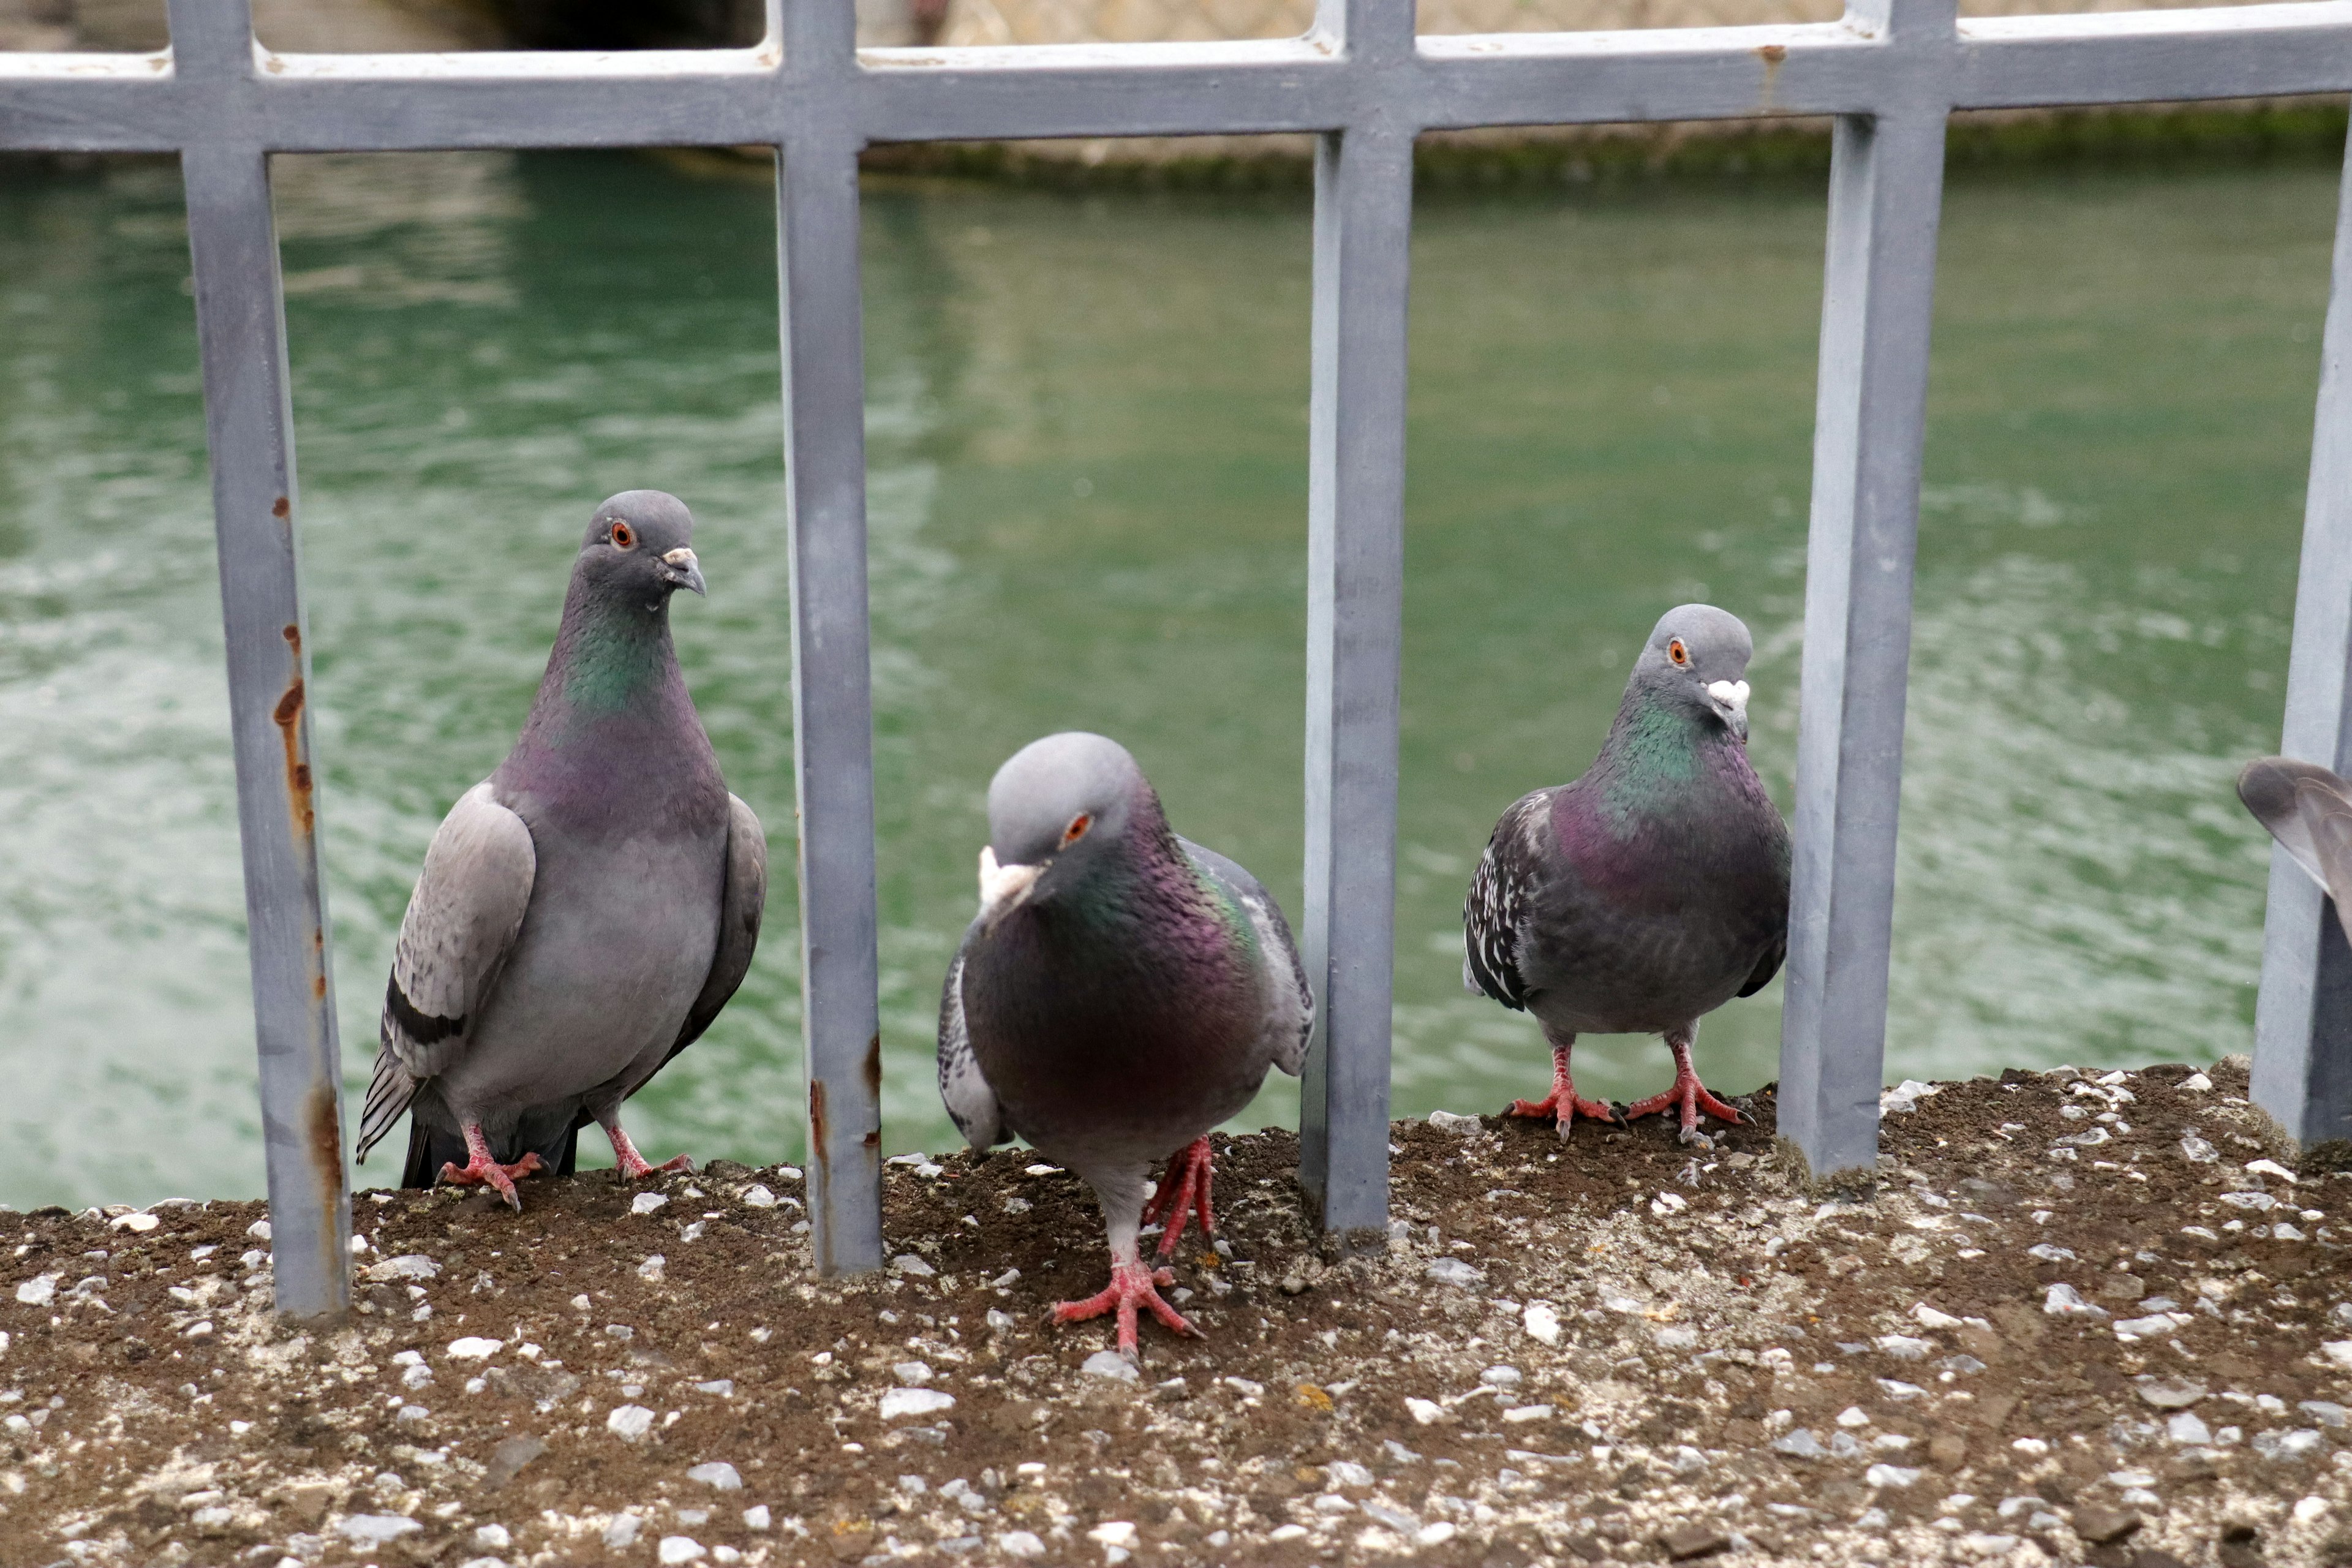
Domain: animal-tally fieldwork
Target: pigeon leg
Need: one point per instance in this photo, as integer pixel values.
(481, 1168)
(1132, 1283)
(1563, 1103)
(633, 1165)
(1184, 1192)
(1688, 1094)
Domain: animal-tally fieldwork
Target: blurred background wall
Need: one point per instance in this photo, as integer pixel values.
(334, 25)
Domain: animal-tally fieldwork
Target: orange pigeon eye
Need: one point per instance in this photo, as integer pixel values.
(624, 536)
(1676, 651)
(1076, 829)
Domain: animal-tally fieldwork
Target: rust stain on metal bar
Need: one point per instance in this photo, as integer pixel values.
(1773, 56)
(282, 510)
(820, 1147)
(322, 1128)
(288, 717)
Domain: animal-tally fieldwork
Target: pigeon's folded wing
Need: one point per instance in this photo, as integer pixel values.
(1502, 897)
(2306, 809)
(461, 923)
(1290, 1010)
(971, 1103)
(740, 907)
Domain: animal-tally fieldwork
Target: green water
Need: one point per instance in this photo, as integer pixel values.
(1088, 437)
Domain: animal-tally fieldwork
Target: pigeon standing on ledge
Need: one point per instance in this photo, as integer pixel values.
(586, 910)
(2308, 810)
(1652, 889)
(1121, 992)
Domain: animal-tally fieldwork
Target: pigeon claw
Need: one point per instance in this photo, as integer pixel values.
(1184, 1192)
(632, 1165)
(1130, 1287)
(483, 1171)
(1565, 1105)
(1691, 1098)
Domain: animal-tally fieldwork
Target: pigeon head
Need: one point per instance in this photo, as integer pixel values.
(1053, 808)
(1696, 662)
(636, 551)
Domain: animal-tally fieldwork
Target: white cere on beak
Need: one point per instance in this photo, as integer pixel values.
(1732, 694)
(1003, 887)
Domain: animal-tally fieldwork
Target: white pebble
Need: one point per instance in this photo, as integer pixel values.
(679, 1549)
(1541, 1322)
(718, 1473)
(646, 1203)
(1111, 1364)
(757, 1197)
(900, 1402)
(629, 1422)
(474, 1348)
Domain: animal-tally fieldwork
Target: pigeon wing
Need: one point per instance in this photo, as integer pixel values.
(740, 909)
(461, 922)
(1290, 1011)
(1769, 966)
(971, 1103)
(1502, 897)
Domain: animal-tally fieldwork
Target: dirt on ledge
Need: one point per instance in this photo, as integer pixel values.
(2080, 1319)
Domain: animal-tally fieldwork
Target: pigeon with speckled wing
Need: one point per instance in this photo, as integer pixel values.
(586, 910)
(1122, 992)
(1650, 891)
(2308, 809)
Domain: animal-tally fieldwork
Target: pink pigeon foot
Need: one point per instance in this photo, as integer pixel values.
(1688, 1095)
(632, 1164)
(1564, 1104)
(480, 1169)
(1131, 1287)
(1184, 1192)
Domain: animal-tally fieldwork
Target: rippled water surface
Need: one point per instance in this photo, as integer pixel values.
(1087, 434)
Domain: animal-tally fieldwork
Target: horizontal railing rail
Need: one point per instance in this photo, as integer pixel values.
(1891, 73)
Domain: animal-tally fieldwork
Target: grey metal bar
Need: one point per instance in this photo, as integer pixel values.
(385, 102)
(2302, 1017)
(1355, 631)
(249, 423)
(832, 706)
(1885, 195)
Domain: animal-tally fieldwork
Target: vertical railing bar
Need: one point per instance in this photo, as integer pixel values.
(2303, 1015)
(832, 705)
(249, 425)
(1355, 555)
(1885, 198)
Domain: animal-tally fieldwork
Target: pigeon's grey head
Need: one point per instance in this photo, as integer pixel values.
(1054, 806)
(636, 549)
(1696, 662)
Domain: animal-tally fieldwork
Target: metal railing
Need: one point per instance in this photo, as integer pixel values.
(1891, 73)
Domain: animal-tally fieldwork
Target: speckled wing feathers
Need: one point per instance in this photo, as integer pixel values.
(461, 923)
(971, 1103)
(1502, 899)
(1290, 1010)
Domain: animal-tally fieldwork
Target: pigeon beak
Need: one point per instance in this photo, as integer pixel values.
(684, 572)
(1002, 889)
(1731, 699)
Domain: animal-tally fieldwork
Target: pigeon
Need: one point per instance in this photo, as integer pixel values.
(1120, 993)
(1650, 891)
(586, 910)
(2309, 811)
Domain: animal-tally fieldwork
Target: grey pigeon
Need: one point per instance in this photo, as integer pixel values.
(1650, 891)
(586, 910)
(2308, 810)
(1120, 993)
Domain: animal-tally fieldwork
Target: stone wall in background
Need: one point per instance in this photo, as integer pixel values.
(1124, 21)
(339, 26)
